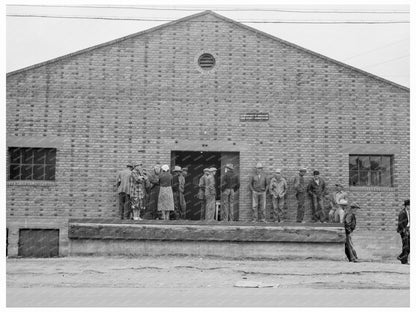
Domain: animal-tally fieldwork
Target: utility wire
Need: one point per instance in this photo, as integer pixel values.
(375, 49)
(214, 9)
(171, 20)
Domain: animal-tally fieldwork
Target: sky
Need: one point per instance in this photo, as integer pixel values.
(381, 49)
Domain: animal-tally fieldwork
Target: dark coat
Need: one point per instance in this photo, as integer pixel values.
(230, 181)
(317, 189)
(349, 222)
(402, 221)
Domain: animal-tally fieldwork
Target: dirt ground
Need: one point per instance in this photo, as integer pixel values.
(193, 272)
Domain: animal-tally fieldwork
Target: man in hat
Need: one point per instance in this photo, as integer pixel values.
(175, 215)
(337, 211)
(182, 201)
(403, 228)
(210, 195)
(230, 184)
(201, 193)
(277, 189)
(138, 183)
(349, 224)
(154, 191)
(317, 189)
(123, 189)
(258, 185)
(300, 189)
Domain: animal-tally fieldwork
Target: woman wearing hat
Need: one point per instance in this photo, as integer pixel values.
(165, 200)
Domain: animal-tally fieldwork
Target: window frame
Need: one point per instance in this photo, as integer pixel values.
(47, 166)
(372, 173)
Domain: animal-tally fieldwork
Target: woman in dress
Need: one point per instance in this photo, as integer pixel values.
(165, 200)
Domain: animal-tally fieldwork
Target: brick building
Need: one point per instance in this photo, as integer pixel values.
(188, 93)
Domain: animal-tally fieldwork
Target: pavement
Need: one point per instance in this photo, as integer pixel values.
(170, 281)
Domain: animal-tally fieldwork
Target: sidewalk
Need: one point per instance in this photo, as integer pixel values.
(165, 274)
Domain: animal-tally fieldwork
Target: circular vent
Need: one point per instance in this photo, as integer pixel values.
(206, 61)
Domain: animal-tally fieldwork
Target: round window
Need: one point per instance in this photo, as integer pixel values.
(206, 61)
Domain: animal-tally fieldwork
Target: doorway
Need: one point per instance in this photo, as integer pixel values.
(196, 161)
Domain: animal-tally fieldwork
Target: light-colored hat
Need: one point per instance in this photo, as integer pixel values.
(343, 201)
(303, 169)
(136, 164)
(212, 169)
(177, 168)
(259, 165)
(277, 171)
(229, 166)
(206, 170)
(165, 167)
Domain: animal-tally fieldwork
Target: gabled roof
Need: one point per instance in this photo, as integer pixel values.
(208, 12)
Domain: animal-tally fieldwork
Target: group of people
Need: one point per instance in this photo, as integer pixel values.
(159, 190)
(277, 186)
(163, 193)
(207, 193)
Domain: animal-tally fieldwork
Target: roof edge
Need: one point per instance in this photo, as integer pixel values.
(101, 45)
(229, 20)
(312, 52)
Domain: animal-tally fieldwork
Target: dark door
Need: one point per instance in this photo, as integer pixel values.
(40, 243)
(196, 162)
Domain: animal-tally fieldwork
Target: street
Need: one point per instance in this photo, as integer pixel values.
(192, 282)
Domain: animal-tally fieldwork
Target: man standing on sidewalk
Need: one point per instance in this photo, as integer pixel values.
(316, 190)
(258, 184)
(300, 189)
(123, 189)
(403, 228)
(277, 189)
(349, 224)
(230, 184)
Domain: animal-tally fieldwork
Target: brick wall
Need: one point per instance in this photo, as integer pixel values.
(131, 100)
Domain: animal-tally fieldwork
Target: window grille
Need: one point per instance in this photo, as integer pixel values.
(32, 163)
(371, 170)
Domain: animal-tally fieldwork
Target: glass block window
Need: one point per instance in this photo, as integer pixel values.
(32, 163)
(371, 170)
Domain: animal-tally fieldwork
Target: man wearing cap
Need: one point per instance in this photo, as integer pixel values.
(403, 228)
(317, 189)
(182, 201)
(123, 190)
(210, 194)
(138, 183)
(175, 188)
(349, 224)
(201, 193)
(258, 185)
(229, 186)
(300, 189)
(277, 189)
(337, 212)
